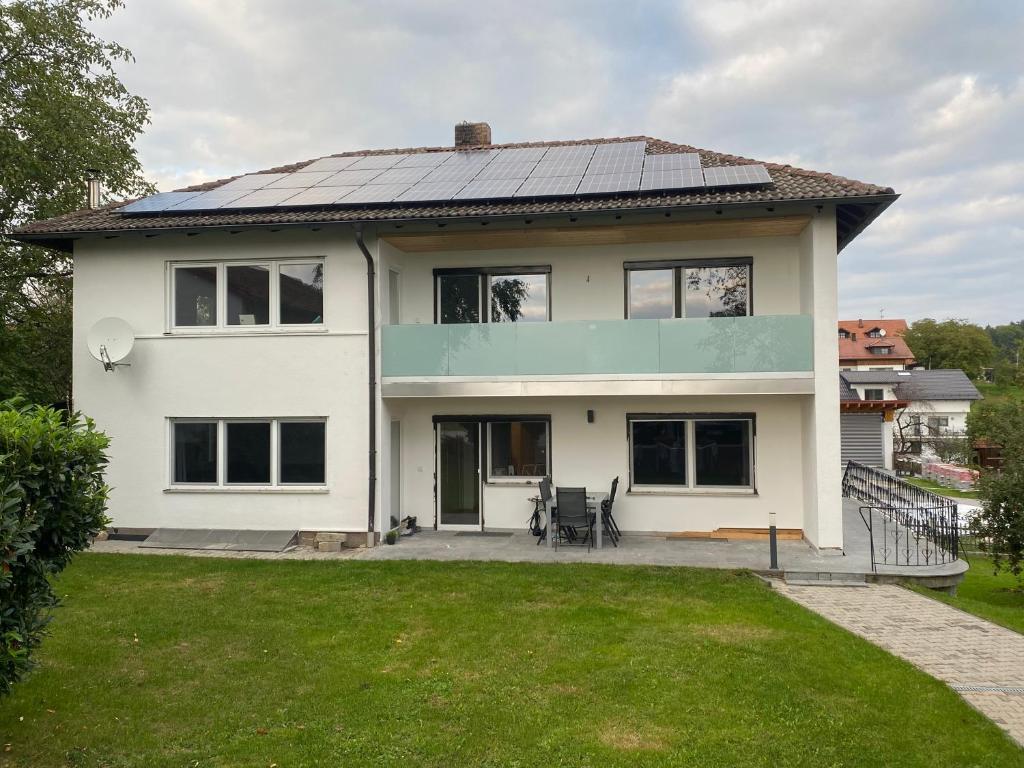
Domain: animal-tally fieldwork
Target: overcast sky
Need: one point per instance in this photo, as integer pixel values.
(923, 96)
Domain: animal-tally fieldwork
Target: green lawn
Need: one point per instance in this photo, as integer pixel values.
(931, 485)
(173, 661)
(998, 598)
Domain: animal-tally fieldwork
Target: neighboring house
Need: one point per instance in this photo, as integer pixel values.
(866, 424)
(336, 344)
(872, 345)
(934, 405)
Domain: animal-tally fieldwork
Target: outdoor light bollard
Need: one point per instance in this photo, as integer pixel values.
(773, 544)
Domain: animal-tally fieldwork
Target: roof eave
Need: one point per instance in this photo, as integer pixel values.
(63, 241)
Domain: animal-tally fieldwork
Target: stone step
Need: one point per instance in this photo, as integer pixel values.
(824, 579)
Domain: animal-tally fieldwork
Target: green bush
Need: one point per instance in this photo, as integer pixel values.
(52, 502)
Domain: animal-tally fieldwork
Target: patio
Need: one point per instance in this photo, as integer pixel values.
(796, 558)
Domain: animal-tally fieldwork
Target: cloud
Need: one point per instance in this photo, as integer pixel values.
(922, 95)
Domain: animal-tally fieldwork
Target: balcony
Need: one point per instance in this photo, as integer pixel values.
(644, 348)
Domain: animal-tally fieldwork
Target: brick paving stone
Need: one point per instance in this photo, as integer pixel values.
(962, 650)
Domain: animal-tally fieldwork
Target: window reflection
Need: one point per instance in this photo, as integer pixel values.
(651, 294)
(716, 291)
(519, 298)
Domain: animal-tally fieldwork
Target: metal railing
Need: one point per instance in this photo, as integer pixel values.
(907, 525)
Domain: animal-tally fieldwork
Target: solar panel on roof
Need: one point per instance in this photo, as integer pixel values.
(737, 175)
(620, 149)
(483, 189)
(331, 164)
(431, 190)
(548, 186)
(299, 180)
(424, 159)
(376, 161)
(207, 200)
(262, 198)
(454, 172)
(570, 150)
(399, 175)
(679, 178)
(565, 166)
(319, 195)
(616, 164)
(496, 170)
(375, 193)
(474, 156)
(520, 154)
(671, 162)
(594, 183)
(252, 181)
(158, 202)
(351, 178)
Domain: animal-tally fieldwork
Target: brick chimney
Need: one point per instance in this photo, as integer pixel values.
(470, 134)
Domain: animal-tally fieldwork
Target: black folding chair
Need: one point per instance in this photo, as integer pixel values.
(609, 527)
(541, 505)
(572, 516)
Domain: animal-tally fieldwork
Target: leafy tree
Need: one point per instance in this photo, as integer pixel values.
(52, 502)
(63, 111)
(1008, 339)
(1000, 526)
(951, 344)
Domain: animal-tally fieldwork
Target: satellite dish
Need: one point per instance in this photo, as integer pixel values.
(881, 331)
(110, 340)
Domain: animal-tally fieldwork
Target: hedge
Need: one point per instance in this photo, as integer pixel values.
(52, 503)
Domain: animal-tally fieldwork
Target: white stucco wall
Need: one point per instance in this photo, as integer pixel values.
(822, 478)
(585, 454)
(321, 373)
(587, 282)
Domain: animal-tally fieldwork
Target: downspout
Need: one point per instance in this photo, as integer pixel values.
(371, 335)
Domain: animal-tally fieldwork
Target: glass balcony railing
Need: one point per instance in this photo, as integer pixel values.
(761, 343)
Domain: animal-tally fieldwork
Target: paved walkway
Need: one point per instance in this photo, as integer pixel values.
(981, 661)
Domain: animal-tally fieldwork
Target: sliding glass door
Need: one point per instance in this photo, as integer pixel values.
(458, 475)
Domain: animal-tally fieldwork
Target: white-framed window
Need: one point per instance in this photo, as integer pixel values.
(282, 452)
(236, 295)
(691, 451)
(874, 394)
(518, 449)
(881, 350)
(661, 290)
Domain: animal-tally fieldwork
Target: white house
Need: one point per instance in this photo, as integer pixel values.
(339, 343)
(929, 405)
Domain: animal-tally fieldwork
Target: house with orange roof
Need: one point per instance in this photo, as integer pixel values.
(873, 345)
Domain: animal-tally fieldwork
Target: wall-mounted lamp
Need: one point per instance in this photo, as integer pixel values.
(590, 416)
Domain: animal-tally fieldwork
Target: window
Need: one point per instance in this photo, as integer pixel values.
(249, 452)
(875, 333)
(195, 452)
(302, 452)
(248, 295)
(874, 394)
(843, 333)
(496, 295)
(691, 451)
(722, 453)
(518, 448)
(195, 296)
(263, 294)
(302, 293)
(713, 288)
(659, 452)
(881, 350)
